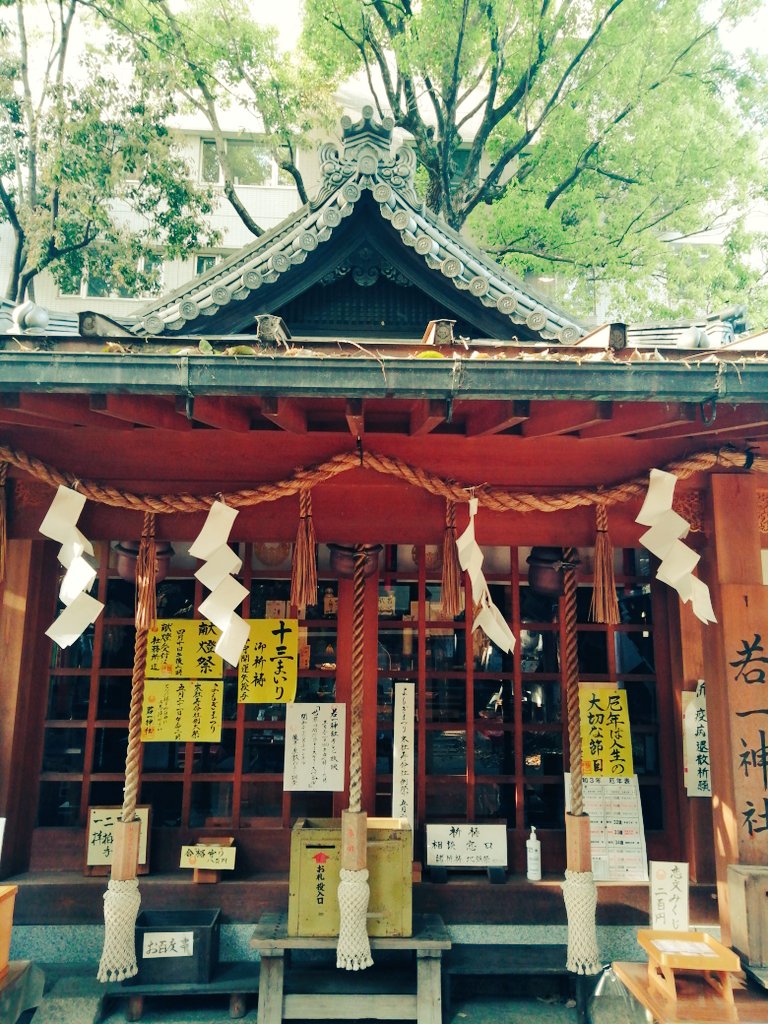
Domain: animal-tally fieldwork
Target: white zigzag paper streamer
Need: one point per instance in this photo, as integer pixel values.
(220, 562)
(665, 540)
(488, 618)
(81, 610)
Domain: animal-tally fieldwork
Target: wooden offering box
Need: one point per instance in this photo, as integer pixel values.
(671, 953)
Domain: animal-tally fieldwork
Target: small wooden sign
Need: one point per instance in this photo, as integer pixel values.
(209, 857)
(100, 837)
(467, 846)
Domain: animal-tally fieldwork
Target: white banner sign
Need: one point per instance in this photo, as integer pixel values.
(403, 750)
(696, 742)
(315, 737)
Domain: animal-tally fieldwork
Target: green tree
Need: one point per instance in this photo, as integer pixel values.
(576, 138)
(212, 55)
(88, 169)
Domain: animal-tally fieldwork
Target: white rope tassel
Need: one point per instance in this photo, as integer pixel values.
(353, 952)
(121, 908)
(580, 896)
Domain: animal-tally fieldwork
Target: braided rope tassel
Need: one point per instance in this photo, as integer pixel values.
(452, 589)
(304, 564)
(605, 604)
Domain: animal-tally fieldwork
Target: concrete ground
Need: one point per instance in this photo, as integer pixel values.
(73, 996)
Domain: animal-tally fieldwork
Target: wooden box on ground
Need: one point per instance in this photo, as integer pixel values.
(177, 945)
(7, 902)
(313, 906)
(748, 901)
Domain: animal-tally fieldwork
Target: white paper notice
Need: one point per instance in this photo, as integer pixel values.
(669, 895)
(233, 639)
(315, 736)
(403, 713)
(617, 836)
(221, 603)
(215, 531)
(63, 514)
(661, 489)
(222, 562)
(83, 611)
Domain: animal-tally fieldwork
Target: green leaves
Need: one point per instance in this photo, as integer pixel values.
(90, 176)
(576, 140)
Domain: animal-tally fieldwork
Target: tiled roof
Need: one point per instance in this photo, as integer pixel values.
(364, 165)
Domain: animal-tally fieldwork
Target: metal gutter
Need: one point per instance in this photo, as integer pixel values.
(526, 378)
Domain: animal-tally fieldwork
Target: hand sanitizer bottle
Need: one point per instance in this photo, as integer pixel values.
(533, 851)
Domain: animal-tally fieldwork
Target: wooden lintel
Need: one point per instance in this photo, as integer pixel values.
(145, 410)
(493, 417)
(641, 417)
(223, 413)
(63, 409)
(426, 415)
(284, 413)
(550, 418)
(354, 412)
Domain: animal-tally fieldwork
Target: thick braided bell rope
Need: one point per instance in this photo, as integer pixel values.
(580, 896)
(571, 663)
(122, 899)
(579, 890)
(3, 518)
(353, 950)
(498, 499)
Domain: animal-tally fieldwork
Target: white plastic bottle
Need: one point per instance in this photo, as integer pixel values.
(533, 851)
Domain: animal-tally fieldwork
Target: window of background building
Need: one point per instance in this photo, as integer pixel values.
(91, 285)
(251, 162)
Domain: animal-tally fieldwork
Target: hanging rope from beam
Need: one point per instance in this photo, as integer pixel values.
(122, 899)
(579, 890)
(353, 952)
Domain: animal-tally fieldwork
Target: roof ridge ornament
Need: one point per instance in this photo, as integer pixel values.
(366, 158)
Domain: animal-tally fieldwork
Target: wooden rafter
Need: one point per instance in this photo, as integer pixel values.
(63, 409)
(426, 415)
(225, 414)
(493, 417)
(146, 410)
(549, 418)
(285, 413)
(630, 418)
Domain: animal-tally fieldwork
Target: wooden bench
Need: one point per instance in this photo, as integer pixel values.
(292, 991)
(485, 960)
(236, 979)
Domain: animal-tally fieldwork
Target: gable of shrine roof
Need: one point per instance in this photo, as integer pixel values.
(367, 197)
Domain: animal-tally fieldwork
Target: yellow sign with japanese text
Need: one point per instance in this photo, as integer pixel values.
(181, 710)
(183, 649)
(606, 741)
(219, 858)
(267, 673)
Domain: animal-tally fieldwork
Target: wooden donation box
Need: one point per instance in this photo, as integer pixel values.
(672, 953)
(748, 900)
(313, 905)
